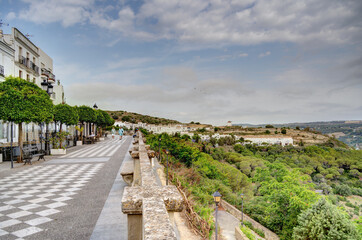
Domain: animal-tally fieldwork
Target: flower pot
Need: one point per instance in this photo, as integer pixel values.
(101, 139)
(79, 143)
(58, 151)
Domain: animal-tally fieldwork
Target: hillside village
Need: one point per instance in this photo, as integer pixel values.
(269, 135)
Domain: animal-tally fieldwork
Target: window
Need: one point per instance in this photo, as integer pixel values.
(27, 77)
(20, 74)
(33, 79)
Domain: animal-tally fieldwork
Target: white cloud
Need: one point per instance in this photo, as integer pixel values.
(243, 55)
(67, 12)
(10, 16)
(214, 21)
(261, 55)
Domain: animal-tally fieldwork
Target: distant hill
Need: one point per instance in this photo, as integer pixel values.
(349, 132)
(136, 118)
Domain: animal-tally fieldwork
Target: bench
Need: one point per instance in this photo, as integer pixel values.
(89, 140)
(29, 152)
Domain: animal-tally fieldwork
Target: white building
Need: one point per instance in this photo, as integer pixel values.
(20, 57)
(7, 55)
(31, 63)
(260, 140)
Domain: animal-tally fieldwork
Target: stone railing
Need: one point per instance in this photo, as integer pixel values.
(149, 206)
(269, 235)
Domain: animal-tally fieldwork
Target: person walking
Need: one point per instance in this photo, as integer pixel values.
(120, 132)
(113, 132)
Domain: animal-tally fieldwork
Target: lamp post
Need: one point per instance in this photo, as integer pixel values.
(167, 152)
(95, 107)
(11, 145)
(217, 198)
(242, 208)
(48, 87)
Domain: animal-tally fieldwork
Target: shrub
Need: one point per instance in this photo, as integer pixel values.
(247, 233)
(343, 190)
(324, 221)
(269, 126)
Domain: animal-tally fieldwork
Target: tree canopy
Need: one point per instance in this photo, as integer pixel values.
(66, 114)
(23, 101)
(324, 221)
(86, 114)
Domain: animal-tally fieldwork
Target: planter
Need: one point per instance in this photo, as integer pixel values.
(101, 139)
(79, 143)
(1, 157)
(58, 151)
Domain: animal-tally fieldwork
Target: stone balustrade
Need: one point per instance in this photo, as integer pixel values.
(148, 205)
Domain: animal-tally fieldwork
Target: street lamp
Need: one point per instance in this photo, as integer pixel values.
(95, 107)
(217, 198)
(242, 208)
(48, 87)
(167, 152)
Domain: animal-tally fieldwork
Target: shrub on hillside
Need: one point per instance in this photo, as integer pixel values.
(343, 190)
(324, 221)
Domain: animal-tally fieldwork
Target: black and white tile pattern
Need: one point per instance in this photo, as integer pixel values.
(33, 196)
(101, 149)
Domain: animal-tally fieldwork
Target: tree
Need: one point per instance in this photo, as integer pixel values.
(288, 192)
(65, 114)
(22, 101)
(86, 115)
(324, 221)
(269, 126)
(284, 131)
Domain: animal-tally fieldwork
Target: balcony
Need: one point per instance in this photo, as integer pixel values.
(51, 77)
(29, 64)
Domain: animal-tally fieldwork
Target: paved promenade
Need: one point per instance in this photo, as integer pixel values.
(67, 197)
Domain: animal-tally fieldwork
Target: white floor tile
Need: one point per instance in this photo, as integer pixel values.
(38, 221)
(55, 205)
(27, 231)
(9, 223)
(47, 212)
(19, 214)
(29, 206)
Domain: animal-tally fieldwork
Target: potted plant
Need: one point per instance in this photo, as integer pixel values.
(80, 130)
(57, 141)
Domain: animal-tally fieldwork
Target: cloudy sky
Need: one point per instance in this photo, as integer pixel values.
(248, 61)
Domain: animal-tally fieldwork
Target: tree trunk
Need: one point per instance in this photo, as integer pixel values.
(81, 132)
(20, 142)
(60, 132)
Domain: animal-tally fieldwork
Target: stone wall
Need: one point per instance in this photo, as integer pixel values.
(269, 235)
(239, 235)
(147, 204)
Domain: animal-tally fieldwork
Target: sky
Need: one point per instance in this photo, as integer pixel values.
(212, 61)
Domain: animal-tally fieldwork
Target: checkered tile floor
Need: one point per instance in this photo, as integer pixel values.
(33, 196)
(101, 149)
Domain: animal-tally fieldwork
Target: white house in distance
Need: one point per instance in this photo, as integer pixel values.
(260, 140)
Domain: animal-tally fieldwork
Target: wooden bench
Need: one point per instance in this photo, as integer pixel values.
(29, 152)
